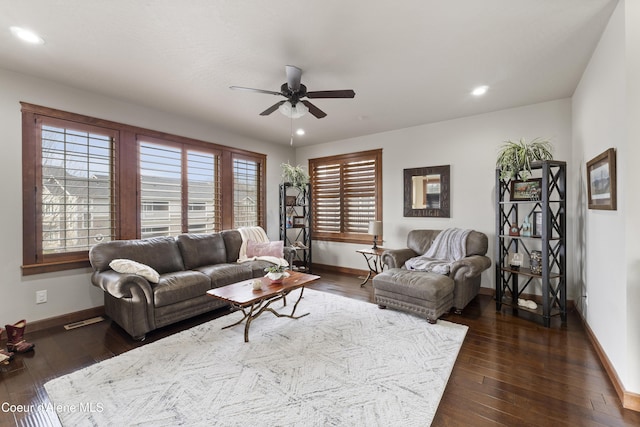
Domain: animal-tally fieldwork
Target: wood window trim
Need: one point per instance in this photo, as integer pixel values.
(126, 170)
(347, 237)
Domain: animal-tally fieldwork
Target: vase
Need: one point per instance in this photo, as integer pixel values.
(277, 277)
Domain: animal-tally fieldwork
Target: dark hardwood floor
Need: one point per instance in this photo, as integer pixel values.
(510, 371)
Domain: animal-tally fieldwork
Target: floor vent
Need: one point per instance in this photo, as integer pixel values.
(82, 323)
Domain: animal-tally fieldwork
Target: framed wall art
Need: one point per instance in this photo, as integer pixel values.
(426, 192)
(601, 181)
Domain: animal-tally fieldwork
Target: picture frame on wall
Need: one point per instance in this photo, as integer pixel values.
(526, 190)
(601, 181)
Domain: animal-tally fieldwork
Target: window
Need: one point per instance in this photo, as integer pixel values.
(247, 192)
(160, 188)
(203, 192)
(162, 174)
(97, 180)
(74, 188)
(346, 194)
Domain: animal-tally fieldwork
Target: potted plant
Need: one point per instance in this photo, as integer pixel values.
(276, 273)
(295, 175)
(515, 157)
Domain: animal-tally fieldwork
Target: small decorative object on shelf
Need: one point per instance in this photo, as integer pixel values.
(515, 260)
(291, 200)
(514, 230)
(526, 228)
(537, 223)
(535, 262)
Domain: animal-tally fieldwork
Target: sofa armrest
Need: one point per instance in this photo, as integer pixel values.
(470, 266)
(120, 285)
(395, 258)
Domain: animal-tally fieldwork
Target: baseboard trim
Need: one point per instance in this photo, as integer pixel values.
(337, 269)
(60, 321)
(629, 400)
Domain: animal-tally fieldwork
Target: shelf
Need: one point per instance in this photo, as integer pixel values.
(516, 202)
(527, 237)
(296, 214)
(527, 272)
(555, 311)
(550, 241)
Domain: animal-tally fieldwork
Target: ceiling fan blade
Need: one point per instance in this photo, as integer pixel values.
(248, 89)
(273, 108)
(347, 93)
(318, 113)
(293, 77)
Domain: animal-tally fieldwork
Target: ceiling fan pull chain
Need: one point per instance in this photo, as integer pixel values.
(291, 141)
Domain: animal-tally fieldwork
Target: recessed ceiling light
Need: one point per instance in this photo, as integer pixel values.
(480, 90)
(300, 132)
(27, 35)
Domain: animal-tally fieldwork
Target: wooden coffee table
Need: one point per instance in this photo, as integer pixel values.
(253, 303)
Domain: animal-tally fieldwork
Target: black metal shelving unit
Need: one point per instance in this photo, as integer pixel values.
(511, 282)
(295, 225)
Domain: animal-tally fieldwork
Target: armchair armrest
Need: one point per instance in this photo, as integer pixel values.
(395, 258)
(470, 266)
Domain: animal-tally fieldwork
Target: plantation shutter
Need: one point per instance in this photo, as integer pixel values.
(359, 195)
(160, 190)
(77, 186)
(347, 191)
(203, 192)
(247, 193)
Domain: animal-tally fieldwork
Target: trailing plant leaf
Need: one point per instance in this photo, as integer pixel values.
(515, 158)
(295, 175)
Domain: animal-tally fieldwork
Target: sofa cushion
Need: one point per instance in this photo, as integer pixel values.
(226, 274)
(180, 286)
(133, 267)
(274, 249)
(201, 249)
(160, 253)
(233, 242)
(414, 284)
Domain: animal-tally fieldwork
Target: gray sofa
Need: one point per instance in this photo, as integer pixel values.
(189, 265)
(425, 293)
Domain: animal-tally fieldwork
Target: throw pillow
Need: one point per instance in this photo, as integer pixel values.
(133, 267)
(275, 249)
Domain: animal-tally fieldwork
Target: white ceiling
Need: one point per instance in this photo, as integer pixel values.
(410, 62)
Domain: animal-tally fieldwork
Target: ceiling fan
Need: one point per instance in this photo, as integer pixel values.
(294, 91)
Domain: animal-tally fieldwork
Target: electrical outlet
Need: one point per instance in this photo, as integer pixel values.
(41, 297)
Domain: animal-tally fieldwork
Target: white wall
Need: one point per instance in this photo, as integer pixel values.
(469, 145)
(71, 291)
(607, 258)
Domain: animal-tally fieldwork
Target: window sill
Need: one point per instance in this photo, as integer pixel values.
(50, 267)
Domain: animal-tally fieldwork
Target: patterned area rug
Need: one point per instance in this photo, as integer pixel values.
(347, 363)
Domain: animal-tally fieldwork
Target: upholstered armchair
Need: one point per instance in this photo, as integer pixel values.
(428, 293)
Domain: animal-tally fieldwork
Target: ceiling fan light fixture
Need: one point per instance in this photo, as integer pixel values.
(293, 111)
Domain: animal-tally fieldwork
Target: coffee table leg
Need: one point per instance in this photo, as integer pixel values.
(259, 307)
